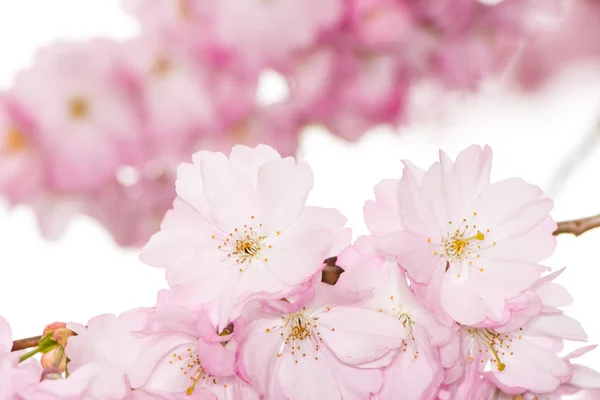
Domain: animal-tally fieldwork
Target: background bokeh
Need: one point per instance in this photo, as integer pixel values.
(84, 273)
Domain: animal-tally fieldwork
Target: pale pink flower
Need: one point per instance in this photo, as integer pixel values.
(21, 162)
(584, 381)
(175, 94)
(107, 339)
(87, 123)
(267, 32)
(183, 353)
(416, 371)
(543, 296)
(522, 353)
(472, 244)
(106, 357)
(324, 347)
(89, 382)
(240, 228)
(15, 378)
(100, 381)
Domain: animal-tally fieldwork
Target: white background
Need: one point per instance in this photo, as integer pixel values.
(85, 274)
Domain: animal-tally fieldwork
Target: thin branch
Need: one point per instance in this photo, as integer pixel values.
(331, 272)
(578, 226)
(577, 157)
(23, 344)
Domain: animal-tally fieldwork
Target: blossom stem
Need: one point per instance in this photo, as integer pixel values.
(23, 344)
(578, 226)
(331, 272)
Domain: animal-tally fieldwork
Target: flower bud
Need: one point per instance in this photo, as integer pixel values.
(59, 331)
(56, 358)
(51, 373)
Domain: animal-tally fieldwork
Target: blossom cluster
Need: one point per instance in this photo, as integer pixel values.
(445, 299)
(571, 39)
(99, 127)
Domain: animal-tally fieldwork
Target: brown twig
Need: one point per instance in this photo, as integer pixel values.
(331, 272)
(578, 226)
(23, 344)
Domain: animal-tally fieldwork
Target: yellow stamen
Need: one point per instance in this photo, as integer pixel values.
(78, 108)
(161, 67)
(14, 141)
(501, 365)
(191, 389)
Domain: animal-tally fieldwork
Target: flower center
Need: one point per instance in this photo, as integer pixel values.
(161, 67)
(300, 336)
(184, 10)
(189, 365)
(404, 317)
(248, 247)
(245, 244)
(457, 244)
(482, 342)
(15, 141)
(78, 108)
(462, 242)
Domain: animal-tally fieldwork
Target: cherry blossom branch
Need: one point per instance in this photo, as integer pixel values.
(23, 344)
(331, 272)
(578, 226)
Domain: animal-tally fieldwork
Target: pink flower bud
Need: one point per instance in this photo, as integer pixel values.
(51, 359)
(59, 331)
(51, 373)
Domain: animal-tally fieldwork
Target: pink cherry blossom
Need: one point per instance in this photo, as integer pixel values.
(21, 164)
(91, 381)
(475, 244)
(543, 296)
(240, 227)
(328, 346)
(265, 33)
(100, 381)
(107, 339)
(183, 353)
(113, 349)
(416, 371)
(584, 381)
(86, 120)
(523, 354)
(15, 378)
(175, 95)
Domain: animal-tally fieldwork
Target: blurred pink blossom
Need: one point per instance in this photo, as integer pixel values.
(86, 121)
